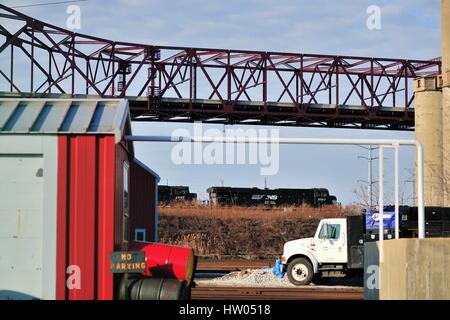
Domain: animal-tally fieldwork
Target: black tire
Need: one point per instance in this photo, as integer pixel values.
(142, 288)
(300, 272)
(158, 289)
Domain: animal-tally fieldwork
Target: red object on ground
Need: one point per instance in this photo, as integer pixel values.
(167, 261)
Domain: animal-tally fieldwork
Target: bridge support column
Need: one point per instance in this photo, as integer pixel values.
(428, 122)
(446, 145)
(445, 11)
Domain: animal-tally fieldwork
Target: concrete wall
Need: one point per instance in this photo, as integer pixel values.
(410, 269)
(446, 144)
(445, 23)
(445, 19)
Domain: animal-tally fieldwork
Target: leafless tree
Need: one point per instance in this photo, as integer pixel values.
(362, 199)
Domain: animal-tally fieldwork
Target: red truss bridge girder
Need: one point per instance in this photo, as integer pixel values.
(166, 83)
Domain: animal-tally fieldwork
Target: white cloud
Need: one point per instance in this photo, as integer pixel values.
(285, 25)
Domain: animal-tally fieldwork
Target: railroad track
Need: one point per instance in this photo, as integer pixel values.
(261, 293)
(231, 265)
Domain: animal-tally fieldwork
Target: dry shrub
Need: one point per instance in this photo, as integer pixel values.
(260, 212)
(202, 243)
(239, 232)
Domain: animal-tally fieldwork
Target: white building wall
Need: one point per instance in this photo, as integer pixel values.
(28, 210)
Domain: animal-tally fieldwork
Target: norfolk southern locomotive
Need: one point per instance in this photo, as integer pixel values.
(168, 194)
(226, 196)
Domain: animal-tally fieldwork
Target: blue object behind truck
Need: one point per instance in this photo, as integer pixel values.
(437, 221)
(373, 220)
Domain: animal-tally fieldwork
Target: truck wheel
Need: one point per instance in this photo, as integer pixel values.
(300, 272)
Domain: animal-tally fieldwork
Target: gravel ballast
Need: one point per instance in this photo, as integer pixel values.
(264, 278)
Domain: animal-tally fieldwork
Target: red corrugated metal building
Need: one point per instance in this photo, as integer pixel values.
(96, 196)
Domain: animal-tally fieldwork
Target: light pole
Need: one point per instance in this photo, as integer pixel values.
(412, 180)
(370, 182)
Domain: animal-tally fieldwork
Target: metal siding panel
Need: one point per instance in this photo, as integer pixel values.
(104, 118)
(119, 117)
(88, 191)
(26, 119)
(82, 217)
(20, 144)
(6, 110)
(21, 227)
(105, 216)
(142, 201)
(151, 210)
(121, 156)
(155, 200)
(63, 198)
(50, 116)
(44, 148)
(50, 148)
(82, 117)
(55, 118)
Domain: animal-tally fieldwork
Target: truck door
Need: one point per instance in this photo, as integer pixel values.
(330, 243)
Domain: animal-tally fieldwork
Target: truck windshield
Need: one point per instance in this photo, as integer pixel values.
(330, 231)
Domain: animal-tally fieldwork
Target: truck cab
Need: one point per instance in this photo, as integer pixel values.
(335, 250)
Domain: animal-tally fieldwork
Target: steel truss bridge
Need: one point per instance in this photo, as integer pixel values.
(182, 84)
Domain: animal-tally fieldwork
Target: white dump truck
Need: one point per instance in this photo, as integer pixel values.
(336, 250)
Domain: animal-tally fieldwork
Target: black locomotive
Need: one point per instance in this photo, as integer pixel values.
(315, 197)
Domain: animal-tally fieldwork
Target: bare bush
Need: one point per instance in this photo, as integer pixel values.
(240, 232)
(259, 212)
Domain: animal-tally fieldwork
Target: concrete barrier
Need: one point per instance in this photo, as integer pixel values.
(410, 269)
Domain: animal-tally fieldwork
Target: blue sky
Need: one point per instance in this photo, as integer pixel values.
(409, 29)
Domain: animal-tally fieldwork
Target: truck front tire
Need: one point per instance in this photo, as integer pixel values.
(300, 272)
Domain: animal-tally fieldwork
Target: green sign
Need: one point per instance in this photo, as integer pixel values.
(127, 262)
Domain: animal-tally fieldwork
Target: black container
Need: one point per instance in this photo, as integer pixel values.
(433, 228)
(446, 226)
(144, 288)
(433, 213)
(371, 237)
(446, 214)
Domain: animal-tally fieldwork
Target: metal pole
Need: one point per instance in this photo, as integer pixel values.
(12, 69)
(370, 179)
(380, 201)
(397, 198)
(249, 140)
